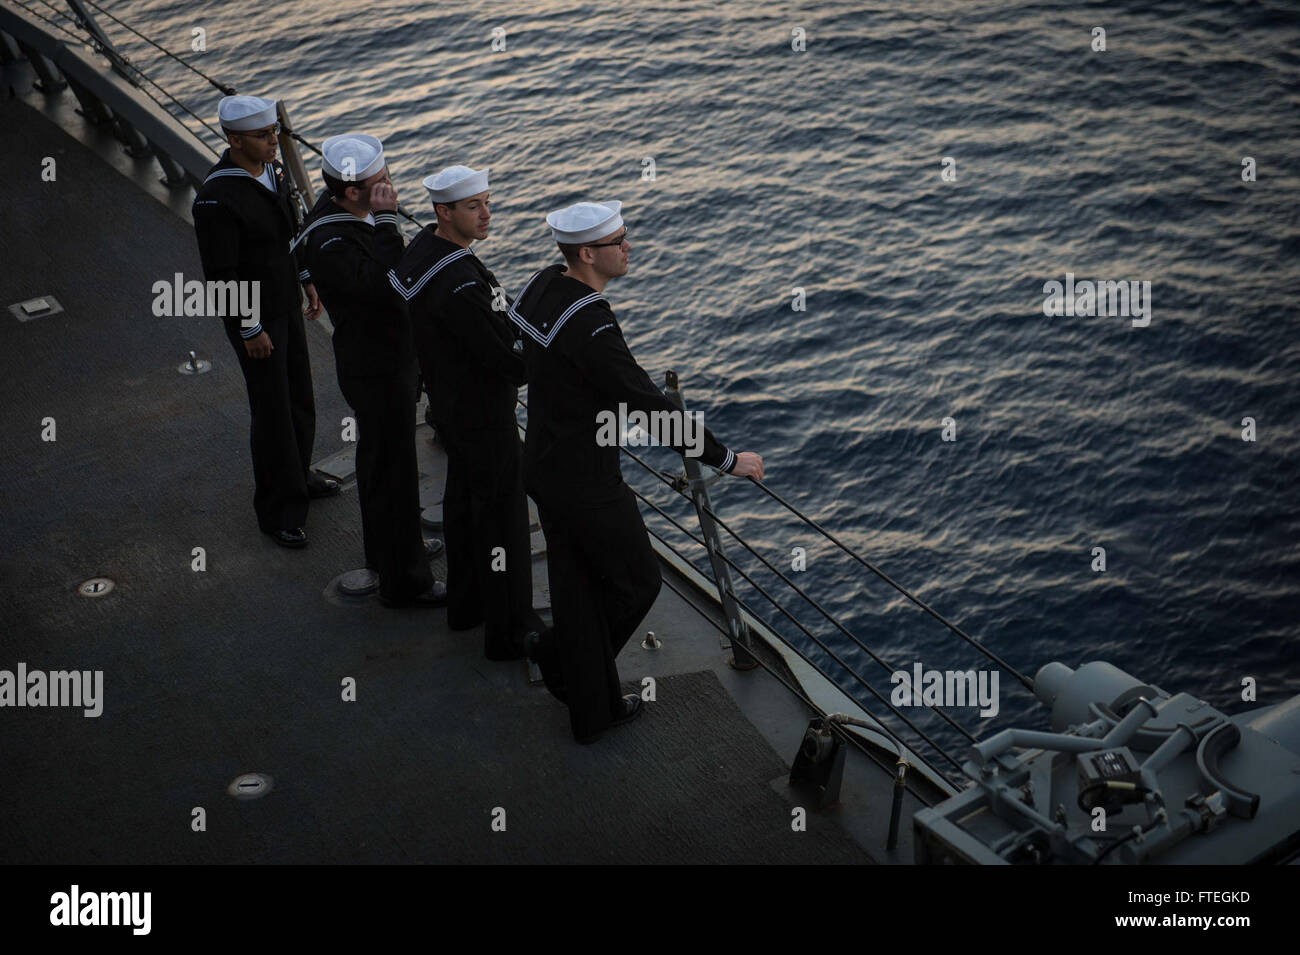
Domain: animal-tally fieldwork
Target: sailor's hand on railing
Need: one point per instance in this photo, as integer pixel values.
(313, 309)
(383, 197)
(259, 346)
(748, 464)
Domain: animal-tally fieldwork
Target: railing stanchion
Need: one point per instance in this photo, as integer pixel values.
(87, 22)
(47, 77)
(299, 178)
(741, 658)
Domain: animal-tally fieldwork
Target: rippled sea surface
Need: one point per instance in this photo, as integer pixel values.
(777, 169)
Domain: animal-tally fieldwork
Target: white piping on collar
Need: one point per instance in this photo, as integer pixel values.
(332, 217)
(409, 293)
(545, 338)
(240, 171)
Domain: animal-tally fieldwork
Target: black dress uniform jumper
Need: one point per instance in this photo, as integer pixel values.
(466, 352)
(603, 573)
(244, 230)
(348, 258)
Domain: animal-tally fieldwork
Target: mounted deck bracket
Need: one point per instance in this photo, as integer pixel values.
(818, 768)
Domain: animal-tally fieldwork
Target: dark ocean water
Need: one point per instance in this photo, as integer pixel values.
(822, 169)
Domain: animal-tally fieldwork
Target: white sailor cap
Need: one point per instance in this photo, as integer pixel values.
(239, 114)
(352, 157)
(585, 221)
(456, 182)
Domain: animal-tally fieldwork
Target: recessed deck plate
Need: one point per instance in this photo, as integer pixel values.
(250, 786)
(37, 307)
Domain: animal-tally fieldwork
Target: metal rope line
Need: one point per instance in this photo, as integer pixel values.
(798, 692)
(828, 615)
(852, 738)
(116, 59)
(58, 12)
(212, 129)
(797, 589)
(852, 672)
(1029, 685)
(127, 62)
(227, 90)
(53, 23)
(123, 61)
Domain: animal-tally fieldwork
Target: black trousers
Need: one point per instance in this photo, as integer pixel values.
(388, 481)
(283, 427)
(604, 579)
(483, 509)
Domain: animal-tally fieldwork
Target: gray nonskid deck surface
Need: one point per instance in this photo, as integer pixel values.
(239, 669)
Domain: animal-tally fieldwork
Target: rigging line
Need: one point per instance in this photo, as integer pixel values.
(772, 600)
(1025, 681)
(826, 613)
(874, 692)
(212, 129)
(798, 691)
(62, 13)
(120, 63)
(81, 40)
(227, 90)
(795, 587)
(980, 647)
(97, 47)
(887, 579)
(311, 146)
(853, 739)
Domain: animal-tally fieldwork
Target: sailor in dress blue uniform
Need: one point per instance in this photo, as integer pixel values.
(604, 576)
(244, 219)
(466, 349)
(347, 245)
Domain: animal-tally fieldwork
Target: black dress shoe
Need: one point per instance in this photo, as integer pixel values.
(435, 596)
(432, 548)
(540, 648)
(292, 537)
(318, 486)
(631, 709)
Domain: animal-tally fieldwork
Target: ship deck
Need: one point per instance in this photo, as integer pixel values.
(239, 668)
